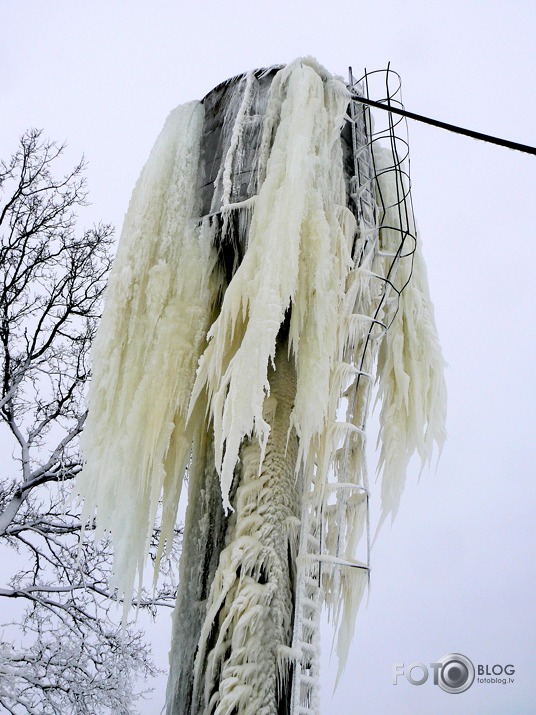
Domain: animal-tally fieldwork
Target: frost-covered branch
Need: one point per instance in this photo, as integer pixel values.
(86, 672)
(64, 652)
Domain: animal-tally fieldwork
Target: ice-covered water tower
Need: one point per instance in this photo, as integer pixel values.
(268, 274)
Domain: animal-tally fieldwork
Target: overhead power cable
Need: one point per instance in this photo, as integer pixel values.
(444, 125)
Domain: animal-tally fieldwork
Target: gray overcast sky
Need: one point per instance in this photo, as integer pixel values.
(455, 571)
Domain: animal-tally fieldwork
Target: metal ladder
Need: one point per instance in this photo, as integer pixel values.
(306, 636)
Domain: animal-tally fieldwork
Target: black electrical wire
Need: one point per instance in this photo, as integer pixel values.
(516, 146)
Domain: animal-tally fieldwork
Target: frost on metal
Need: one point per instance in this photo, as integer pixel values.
(268, 273)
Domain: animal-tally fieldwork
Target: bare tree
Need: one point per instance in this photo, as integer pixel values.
(64, 651)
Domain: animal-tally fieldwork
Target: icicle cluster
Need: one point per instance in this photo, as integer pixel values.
(411, 386)
(158, 306)
(388, 332)
(298, 258)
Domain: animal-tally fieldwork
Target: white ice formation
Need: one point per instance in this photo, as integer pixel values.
(248, 379)
(153, 330)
